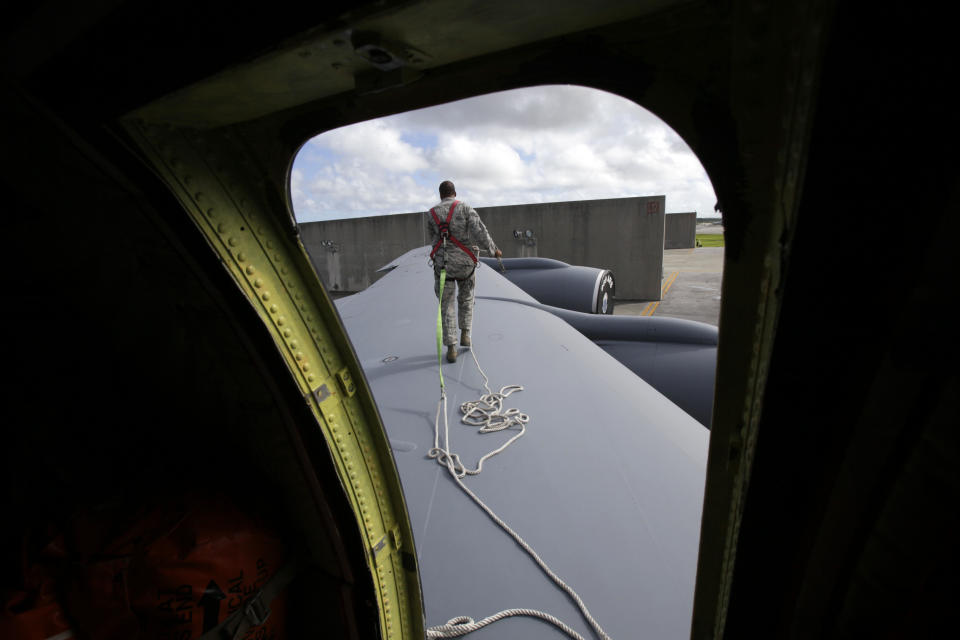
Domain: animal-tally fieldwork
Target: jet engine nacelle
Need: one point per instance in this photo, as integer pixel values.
(558, 284)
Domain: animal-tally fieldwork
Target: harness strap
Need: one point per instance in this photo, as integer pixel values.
(464, 249)
(256, 609)
(444, 228)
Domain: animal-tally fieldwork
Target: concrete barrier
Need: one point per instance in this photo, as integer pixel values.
(347, 253)
(680, 230)
(625, 235)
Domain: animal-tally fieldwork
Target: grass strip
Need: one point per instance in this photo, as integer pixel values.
(710, 239)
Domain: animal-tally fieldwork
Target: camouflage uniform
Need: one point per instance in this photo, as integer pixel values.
(465, 226)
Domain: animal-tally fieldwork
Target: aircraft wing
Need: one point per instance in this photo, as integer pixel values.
(606, 485)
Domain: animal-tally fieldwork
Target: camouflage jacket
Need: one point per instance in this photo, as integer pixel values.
(465, 226)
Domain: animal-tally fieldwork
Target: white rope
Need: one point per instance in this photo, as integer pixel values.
(486, 413)
(463, 625)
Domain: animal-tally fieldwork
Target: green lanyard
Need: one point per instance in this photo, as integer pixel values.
(443, 281)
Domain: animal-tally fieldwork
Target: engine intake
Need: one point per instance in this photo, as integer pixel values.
(558, 284)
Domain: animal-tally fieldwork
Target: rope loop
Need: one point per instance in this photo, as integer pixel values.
(449, 460)
(487, 412)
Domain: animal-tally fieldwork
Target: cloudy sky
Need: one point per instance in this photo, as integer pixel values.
(542, 144)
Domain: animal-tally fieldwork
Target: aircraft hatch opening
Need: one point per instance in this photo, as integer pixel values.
(602, 310)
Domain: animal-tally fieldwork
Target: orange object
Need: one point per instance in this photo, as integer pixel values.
(35, 612)
(184, 579)
(27, 616)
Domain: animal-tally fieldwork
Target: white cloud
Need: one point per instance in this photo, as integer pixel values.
(539, 144)
(375, 144)
(480, 160)
(355, 189)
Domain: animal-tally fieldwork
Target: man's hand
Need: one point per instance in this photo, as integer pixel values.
(499, 253)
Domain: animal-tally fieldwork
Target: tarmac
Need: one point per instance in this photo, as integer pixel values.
(690, 288)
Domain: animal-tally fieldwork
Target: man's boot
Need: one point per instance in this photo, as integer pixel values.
(452, 353)
(464, 338)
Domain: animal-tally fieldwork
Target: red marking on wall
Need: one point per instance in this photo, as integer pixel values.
(653, 206)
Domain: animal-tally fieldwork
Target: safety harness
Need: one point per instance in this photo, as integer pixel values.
(444, 228)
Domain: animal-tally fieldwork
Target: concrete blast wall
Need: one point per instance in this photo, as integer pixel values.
(625, 235)
(680, 230)
(347, 253)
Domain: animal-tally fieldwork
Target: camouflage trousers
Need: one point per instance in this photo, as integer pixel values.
(464, 308)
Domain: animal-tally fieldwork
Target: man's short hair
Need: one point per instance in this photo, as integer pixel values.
(447, 189)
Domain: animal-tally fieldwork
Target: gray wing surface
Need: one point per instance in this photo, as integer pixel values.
(606, 485)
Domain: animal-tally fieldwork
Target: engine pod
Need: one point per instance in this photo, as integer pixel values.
(558, 284)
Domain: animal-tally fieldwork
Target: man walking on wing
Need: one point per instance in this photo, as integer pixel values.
(454, 228)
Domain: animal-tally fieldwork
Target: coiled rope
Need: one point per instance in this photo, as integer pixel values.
(488, 414)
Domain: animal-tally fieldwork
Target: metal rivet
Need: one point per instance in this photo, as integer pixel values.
(232, 242)
(258, 283)
(241, 256)
(211, 213)
(299, 355)
(273, 308)
(266, 296)
(250, 270)
(222, 228)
